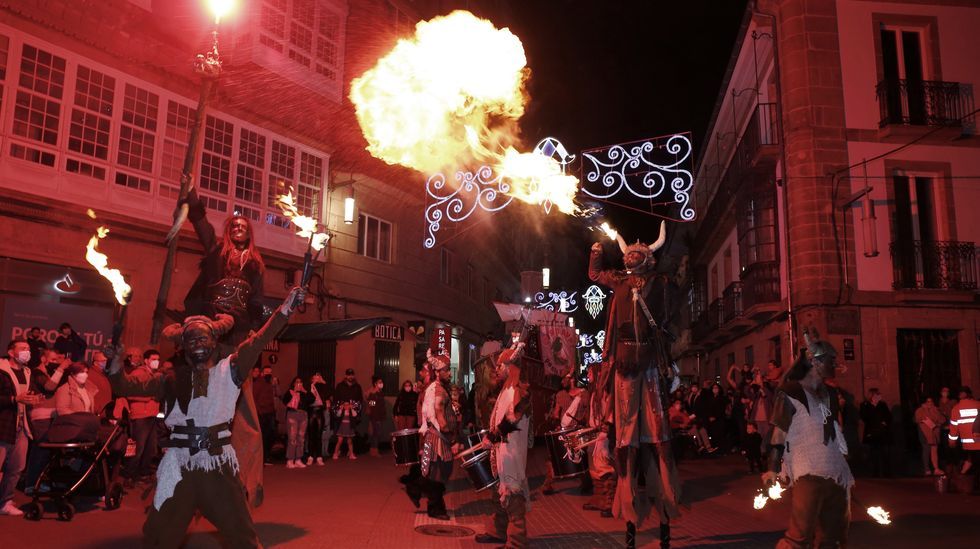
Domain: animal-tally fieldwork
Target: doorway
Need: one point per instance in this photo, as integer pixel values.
(928, 360)
(318, 356)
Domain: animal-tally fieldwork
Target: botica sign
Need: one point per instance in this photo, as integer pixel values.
(390, 332)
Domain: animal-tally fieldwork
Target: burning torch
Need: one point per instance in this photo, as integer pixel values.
(120, 287)
(308, 228)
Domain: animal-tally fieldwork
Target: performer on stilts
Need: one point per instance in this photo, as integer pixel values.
(508, 439)
(199, 471)
(808, 450)
(637, 347)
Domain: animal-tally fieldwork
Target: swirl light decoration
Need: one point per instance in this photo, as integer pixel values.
(473, 190)
(563, 301)
(649, 169)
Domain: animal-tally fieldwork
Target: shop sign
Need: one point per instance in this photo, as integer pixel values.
(389, 332)
(441, 339)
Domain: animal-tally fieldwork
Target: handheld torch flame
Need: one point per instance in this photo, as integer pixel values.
(451, 96)
(307, 225)
(760, 501)
(610, 232)
(101, 261)
(776, 491)
(880, 515)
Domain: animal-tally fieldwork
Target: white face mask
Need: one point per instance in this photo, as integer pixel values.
(81, 378)
(23, 357)
(154, 364)
(100, 365)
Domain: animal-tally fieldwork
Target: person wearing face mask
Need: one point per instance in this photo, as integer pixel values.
(15, 430)
(297, 400)
(98, 379)
(807, 449)
(143, 412)
(404, 411)
(46, 378)
(78, 395)
(376, 412)
(877, 421)
(319, 404)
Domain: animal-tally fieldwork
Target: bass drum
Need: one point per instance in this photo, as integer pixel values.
(562, 464)
(405, 446)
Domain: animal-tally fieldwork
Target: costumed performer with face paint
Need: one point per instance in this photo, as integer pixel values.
(199, 471)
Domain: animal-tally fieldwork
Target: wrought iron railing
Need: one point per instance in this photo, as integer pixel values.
(760, 284)
(761, 130)
(923, 102)
(944, 265)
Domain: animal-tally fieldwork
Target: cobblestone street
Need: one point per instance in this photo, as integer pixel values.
(360, 504)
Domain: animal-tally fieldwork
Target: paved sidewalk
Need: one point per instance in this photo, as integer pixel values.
(359, 504)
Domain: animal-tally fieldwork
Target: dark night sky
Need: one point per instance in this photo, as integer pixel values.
(606, 71)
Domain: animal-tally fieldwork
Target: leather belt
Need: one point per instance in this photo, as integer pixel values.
(199, 438)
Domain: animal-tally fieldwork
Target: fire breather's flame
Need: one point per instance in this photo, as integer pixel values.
(776, 491)
(307, 225)
(880, 515)
(451, 96)
(101, 261)
(610, 232)
(760, 501)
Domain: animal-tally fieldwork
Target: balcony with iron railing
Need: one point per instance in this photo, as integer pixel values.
(936, 265)
(760, 289)
(924, 103)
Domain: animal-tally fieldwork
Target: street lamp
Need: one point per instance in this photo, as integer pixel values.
(545, 277)
(349, 208)
(208, 67)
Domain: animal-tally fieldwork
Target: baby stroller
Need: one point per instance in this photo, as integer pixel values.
(86, 453)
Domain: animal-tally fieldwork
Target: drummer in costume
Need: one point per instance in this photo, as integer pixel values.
(636, 346)
(508, 438)
(440, 436)
(571, 411)
(413, 480)
(601, 466)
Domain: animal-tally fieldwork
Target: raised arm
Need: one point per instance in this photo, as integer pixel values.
(248, 351)
(596, 273)
(198, 216)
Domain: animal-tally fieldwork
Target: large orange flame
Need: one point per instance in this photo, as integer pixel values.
(100, 261)
(449, 98)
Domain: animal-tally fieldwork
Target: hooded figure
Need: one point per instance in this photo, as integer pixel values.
(637, 343)
(200, 469)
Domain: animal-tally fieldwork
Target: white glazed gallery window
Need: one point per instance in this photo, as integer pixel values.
(249, 174)
(374, 238)
(282, 177)
(309, 35)
(69, 114)
(180, 118)
(88, 132)
(216, 162)
(37, 106)
(137, 139)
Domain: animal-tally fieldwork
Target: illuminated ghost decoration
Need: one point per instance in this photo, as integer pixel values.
(594, 300)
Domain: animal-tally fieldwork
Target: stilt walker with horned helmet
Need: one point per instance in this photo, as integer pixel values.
(637, 351)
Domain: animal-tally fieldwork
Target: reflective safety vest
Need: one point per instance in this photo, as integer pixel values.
(961, 424)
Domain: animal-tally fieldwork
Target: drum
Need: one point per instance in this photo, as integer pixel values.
(405, 446)
(476, 462)
(475, 439)
(561, 460)
(578, 442)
